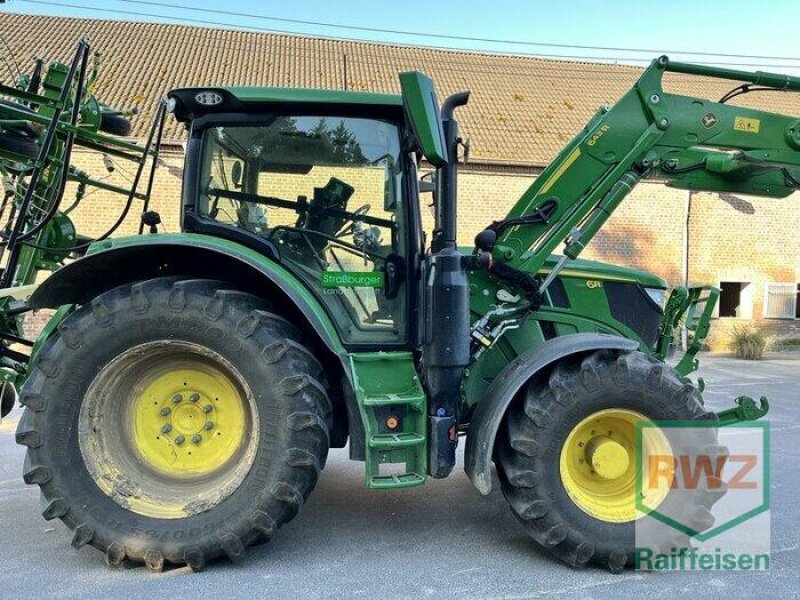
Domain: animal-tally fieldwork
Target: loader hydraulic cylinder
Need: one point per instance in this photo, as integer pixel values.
(597, 218)
(772, 80)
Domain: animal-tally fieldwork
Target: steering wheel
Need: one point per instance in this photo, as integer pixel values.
(359, 212)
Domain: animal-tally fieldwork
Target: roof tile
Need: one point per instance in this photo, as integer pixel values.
(522, 109)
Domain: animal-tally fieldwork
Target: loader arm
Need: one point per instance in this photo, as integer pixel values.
(691, 143)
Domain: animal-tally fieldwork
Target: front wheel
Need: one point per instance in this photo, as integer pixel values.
(567, 456)
(174, 421)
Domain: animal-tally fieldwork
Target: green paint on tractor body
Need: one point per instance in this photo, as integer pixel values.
(271, 95)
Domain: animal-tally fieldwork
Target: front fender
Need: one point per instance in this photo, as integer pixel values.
(492, 408)
(112, 263)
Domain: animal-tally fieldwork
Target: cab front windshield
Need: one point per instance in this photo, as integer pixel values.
(326, 191)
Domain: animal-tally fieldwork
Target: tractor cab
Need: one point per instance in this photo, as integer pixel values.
(317, 181)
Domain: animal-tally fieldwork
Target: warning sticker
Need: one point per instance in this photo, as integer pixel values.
(747, 125)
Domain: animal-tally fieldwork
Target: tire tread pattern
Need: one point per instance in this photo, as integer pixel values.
(528, 429)
(307, 409)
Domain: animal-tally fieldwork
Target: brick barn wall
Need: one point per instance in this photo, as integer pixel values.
(746, 239)
(646, 232)
(732, 238)
(99, 209)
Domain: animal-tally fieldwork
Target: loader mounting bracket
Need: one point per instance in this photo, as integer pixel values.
(694, 308)
(746, 409)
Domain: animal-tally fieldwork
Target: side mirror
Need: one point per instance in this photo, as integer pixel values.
(422, 110)
(236, 174)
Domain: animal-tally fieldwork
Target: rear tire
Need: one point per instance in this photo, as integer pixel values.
(536, 431)
(115, 509)
(26, 130)
(19, 145)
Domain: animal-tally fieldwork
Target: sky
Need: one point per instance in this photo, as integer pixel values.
(755, 28)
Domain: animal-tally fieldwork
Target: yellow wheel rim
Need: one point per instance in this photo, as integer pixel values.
(598, 465)
(168, 429)
(188, 421)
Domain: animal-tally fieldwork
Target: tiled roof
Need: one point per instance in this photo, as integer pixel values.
(522, 109)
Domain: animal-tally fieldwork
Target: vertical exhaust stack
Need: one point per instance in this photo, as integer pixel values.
(446, 348)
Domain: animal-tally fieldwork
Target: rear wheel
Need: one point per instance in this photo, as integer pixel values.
(567, 456)
(18, 145)
(174, 421)
(27, 130)
(115, 124)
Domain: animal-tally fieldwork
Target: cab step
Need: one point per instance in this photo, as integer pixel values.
(393, 410)
(396, 440)
(383, 482)
(415, 400)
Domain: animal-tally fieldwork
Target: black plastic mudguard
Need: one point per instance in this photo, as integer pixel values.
(505, 387)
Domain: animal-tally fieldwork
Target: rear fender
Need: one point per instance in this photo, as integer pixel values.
(112, 263)
(116, 262)
(505, 387)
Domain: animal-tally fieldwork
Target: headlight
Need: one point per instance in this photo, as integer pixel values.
(657, 295)
(208, 98)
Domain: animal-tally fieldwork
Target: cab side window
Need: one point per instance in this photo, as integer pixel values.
(327, 192)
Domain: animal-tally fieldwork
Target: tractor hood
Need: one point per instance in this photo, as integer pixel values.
(592, 269)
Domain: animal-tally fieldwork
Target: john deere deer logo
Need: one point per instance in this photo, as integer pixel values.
(709, 120)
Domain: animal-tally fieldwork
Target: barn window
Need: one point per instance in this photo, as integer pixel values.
(735, 299)
(781, 301)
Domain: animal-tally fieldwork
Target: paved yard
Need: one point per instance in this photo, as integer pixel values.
(441, 540)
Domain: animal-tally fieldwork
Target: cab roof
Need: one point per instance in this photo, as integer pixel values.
(317, 96)
(193, 102)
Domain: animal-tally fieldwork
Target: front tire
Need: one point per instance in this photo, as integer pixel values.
(141, 366)
(581, 508)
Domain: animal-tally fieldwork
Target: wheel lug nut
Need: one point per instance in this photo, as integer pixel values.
(166, 428)
(196, 438)
(179, 440)
(177, 398)
(194, 397)
(208, 408)
(165, 411)
(208, 425)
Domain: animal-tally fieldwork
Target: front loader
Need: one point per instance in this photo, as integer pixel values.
(181, 403)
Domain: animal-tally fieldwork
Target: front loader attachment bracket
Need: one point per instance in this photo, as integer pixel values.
(694, 308)
(746, 409)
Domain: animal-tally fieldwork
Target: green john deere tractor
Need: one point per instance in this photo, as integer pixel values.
(181, 403)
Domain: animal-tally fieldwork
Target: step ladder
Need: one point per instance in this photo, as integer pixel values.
(394, 413)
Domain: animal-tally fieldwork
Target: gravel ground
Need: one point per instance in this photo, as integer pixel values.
(441, 540)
